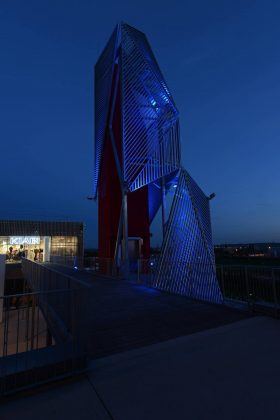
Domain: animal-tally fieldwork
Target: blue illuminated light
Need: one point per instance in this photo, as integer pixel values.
(153, 102)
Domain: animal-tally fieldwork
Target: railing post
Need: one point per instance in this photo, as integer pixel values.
(27, 324)
(151, 272)
(138, 270)
(222, 281)
(32, 323)
(274, 293)
(6, 326)
(249, 303)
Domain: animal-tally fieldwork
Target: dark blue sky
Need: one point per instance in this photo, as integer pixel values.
(221, 60)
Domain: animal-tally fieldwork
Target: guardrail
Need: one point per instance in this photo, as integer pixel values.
(43, 331)
(74, 262)
(102, 266)
(256, 287)
(146, 270)
(96, 265)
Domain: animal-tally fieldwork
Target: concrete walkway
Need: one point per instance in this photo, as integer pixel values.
(229, 372)
(121, 315)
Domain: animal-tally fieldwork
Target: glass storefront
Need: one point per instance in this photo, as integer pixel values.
(64, 246)
(37, 248)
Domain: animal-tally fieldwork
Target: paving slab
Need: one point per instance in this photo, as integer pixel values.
(231, 372)
(75, 400)
(226, 373)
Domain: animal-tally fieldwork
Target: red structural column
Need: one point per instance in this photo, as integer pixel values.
(110, 197)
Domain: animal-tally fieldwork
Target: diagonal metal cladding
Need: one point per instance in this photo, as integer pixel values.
(163, 160)
(186, 264)
(104, 70)
(202, 210)
(151, 147)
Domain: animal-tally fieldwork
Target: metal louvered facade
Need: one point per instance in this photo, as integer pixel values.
(137, 158)
(186, 264)
(151, 146)
(150, 119)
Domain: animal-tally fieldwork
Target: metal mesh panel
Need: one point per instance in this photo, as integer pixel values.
(103, 80)
(201, 206)
(150, 119)
(186, 265)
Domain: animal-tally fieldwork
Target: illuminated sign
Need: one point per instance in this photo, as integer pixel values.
(24, 240)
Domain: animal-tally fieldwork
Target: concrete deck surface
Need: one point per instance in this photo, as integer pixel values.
(229, 372)
(122, 315)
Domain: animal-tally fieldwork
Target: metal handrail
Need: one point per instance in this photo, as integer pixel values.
(40, 333)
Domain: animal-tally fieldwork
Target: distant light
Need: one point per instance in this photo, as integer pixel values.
(76, 268)
(175, 186)
(153, 102)
(151, 263)
(269, 247)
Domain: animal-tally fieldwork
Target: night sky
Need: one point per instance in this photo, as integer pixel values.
(221, 61)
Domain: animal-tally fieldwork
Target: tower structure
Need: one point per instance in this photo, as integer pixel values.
(138, 162)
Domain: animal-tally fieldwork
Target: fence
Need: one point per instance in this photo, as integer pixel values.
(256, 287)
(42, 334)
(96, 265)
(74, 262)
(102, 266)
(146, 271)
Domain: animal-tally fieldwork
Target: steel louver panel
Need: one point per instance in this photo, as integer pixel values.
(151, 146)
(201, 204)
(186, 263)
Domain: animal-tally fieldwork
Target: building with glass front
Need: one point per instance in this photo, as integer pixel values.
(40, 240)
